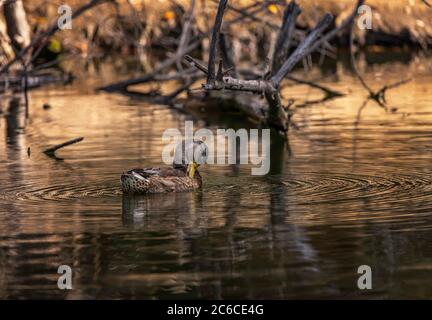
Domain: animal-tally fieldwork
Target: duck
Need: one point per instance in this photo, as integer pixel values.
(181, 177)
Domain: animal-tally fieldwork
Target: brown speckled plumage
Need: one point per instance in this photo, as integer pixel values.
(159, 180)
(182, 176)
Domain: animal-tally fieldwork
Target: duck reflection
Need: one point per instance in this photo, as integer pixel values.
(150, 211)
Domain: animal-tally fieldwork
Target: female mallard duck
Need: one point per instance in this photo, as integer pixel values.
(183, 176)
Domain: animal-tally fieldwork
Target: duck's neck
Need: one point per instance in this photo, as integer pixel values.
(184, 168)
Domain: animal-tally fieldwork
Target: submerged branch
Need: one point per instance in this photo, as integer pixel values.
(50, 152)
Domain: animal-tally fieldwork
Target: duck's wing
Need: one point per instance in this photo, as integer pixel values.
(160, 172)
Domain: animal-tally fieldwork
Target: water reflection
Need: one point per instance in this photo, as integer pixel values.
(345, 191)
(150, 210)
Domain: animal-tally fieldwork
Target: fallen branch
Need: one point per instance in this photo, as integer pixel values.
(50, 152)
(275, 115)
(329, 93)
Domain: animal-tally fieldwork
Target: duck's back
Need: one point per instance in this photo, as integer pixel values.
(158, 180)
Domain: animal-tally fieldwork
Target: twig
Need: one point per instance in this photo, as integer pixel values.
(197, 64)
(227, 55)
(50, 152)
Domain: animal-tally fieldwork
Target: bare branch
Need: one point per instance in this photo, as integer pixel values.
(302, 50)
(211, 76)
(345, 24)
(50, 152)
(227, 54)
(197, 64)
(283, 43)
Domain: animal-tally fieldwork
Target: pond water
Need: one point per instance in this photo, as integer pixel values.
(352, 188)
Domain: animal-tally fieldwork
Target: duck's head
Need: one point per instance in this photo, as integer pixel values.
(189, 155)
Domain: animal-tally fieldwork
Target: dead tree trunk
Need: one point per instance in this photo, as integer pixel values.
(18, 28)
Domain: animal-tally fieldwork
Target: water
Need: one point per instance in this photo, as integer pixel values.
(352, 189)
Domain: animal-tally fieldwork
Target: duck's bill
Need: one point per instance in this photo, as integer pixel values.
(192, 169)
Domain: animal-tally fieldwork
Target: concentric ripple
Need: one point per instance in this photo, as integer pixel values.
(308, 188)
(60, 192)
(332, 188)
